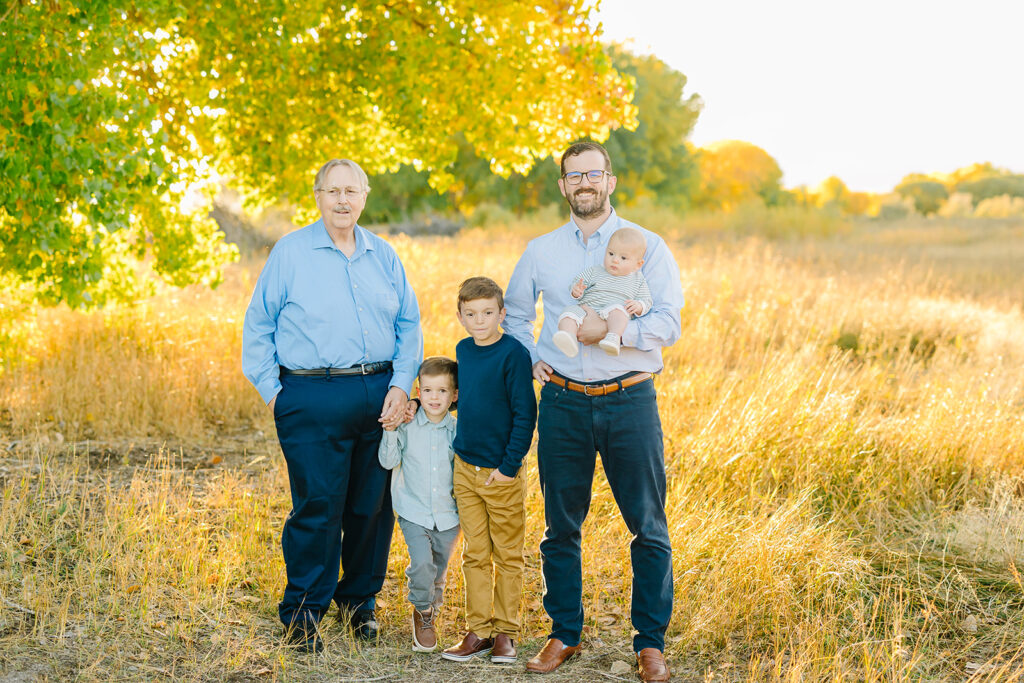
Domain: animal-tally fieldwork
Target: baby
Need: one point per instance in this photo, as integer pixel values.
(616, 291)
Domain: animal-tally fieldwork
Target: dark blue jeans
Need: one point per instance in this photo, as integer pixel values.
(341, 497)
(626, 429)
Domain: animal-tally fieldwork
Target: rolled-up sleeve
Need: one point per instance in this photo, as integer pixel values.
(259, 352)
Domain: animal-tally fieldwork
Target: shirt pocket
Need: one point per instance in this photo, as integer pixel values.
(387, 303)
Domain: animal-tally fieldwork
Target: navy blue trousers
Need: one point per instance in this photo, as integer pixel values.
(341, 497)
(626, 429)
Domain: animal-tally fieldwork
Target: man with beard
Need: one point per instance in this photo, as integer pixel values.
(332, 342)
(596, 402)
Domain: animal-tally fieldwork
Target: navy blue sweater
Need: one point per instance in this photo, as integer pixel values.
(497, 406)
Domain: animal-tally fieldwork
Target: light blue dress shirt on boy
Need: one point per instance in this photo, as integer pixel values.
(315, 307)
(420, 453)
(549, 265)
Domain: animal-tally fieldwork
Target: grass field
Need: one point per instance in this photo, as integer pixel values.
(844, 438)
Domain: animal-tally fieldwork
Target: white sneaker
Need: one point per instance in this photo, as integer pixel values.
(566, 343)
(610, 344)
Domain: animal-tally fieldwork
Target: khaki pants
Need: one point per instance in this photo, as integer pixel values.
(493, 520)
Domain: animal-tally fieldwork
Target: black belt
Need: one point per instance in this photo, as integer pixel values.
(362, 369)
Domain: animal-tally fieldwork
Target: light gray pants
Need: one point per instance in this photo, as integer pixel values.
(429, 551)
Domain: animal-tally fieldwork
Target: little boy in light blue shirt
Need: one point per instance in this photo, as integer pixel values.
(420, 453)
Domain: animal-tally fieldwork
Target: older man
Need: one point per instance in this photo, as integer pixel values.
(596, 402)
(332, 342)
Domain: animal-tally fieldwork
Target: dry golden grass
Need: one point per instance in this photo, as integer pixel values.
(844, 428)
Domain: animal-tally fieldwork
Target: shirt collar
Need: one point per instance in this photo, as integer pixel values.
(446, 422)
(322, 238)
(610, 225)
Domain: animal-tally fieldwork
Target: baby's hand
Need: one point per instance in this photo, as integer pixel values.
(634, 307)
(578, 289)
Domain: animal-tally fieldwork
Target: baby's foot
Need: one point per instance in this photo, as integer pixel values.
(566, 343)
(610, 344)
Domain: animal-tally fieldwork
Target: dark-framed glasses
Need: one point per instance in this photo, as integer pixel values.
(576, 177)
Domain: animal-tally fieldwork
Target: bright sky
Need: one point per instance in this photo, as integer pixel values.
(869, 91)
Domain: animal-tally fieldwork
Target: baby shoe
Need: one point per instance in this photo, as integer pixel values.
(610, 344)
(567, 344)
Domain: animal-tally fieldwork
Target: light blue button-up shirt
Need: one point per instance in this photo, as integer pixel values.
(547, 268)
(421, 455)
(314, 307)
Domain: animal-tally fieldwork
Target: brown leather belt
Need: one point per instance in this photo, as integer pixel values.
(600, 389)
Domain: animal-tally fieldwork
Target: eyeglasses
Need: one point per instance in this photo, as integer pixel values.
(333, 193)
(576, 177)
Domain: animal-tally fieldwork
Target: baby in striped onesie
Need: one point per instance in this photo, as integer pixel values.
(617, 291)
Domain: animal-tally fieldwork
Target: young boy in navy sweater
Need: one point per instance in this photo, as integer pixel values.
(497, 415)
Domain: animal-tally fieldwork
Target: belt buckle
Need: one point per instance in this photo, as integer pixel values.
(362, 369)
(586, 390)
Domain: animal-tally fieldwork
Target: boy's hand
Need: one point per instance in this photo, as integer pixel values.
(634, 307)
(578, 289)
(411, 408)
(497, 476)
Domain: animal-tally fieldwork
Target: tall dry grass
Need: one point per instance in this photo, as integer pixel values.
(844, 443)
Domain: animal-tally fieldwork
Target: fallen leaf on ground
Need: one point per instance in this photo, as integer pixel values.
(619, 668)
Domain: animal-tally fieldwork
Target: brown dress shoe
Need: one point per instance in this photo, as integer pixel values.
(504, 651)
(652, 665)
(551, 656)
(424, 637)
(470, 647)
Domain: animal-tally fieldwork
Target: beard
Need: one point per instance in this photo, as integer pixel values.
(588, 202)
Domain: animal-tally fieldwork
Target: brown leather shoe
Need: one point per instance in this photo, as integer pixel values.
(470, 647)
(504, 651)
(551, 656)
(652, 665)
(424, 637)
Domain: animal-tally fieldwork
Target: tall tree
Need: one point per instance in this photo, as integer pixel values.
(110, 108)
(734, 171)
(654, 160)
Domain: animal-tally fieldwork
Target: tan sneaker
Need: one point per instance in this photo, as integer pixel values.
(424, 637)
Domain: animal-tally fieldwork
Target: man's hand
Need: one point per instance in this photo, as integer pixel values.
(542, 372)
(272, 402)
(593, 328)
(634, 307)
(498, 477)
(578, 289)
(394, 408)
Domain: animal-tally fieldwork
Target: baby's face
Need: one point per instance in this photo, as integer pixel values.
(622, 259)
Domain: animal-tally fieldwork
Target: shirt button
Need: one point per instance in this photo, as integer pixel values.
(355, 286)
(477, 469)
(360, 310)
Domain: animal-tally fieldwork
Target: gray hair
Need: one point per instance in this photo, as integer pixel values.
(347, 163)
